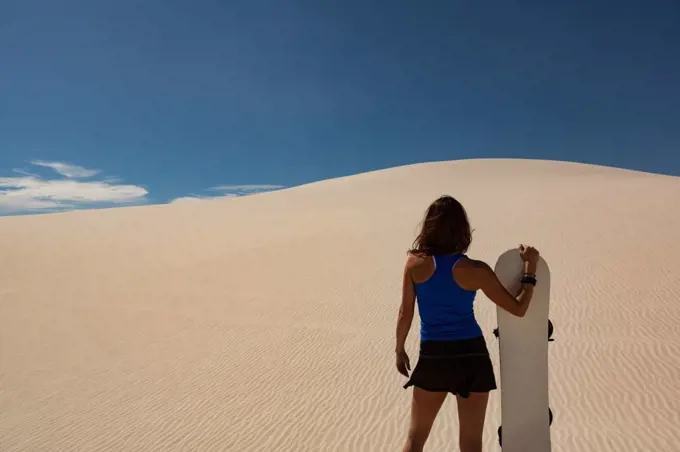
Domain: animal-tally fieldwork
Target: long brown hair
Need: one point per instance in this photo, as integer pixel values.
(445, 229)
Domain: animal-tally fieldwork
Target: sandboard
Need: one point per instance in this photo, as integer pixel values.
(525, 410)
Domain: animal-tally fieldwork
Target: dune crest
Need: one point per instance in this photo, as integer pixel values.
(266, 323)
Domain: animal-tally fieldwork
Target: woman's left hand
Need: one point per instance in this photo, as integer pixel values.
(403, 363)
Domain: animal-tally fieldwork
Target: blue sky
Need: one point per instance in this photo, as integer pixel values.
(111, 103)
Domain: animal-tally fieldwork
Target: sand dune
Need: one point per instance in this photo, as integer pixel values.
(266, 323)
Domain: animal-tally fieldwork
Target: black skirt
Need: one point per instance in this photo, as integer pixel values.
(459, 367)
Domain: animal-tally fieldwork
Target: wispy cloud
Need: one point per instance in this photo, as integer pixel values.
(67, 170)
(183, 199)
(228, 191)
(31, 193)
(246, 188)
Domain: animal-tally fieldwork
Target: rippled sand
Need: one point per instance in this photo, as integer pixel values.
(266, 323)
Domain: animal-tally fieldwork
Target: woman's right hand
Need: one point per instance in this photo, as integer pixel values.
(403, 363)
(529, 254)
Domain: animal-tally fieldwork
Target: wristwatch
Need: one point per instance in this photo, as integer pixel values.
(528, 279)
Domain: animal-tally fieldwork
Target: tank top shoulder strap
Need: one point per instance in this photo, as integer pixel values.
(448, 260)
(445, 263)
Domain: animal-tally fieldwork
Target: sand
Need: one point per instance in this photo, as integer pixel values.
(266, 323)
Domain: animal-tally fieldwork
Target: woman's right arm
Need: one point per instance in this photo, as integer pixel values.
(496, 292)
(488, 282)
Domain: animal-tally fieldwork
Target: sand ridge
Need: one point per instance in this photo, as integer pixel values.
(266, 323)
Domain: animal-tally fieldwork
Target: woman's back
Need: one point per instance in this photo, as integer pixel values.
(445, 308)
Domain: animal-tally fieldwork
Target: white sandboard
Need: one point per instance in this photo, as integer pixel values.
(525, 410)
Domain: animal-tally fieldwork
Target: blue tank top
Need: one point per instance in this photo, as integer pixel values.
(446, 309)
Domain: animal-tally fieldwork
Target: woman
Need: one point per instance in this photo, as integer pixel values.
(453, 355)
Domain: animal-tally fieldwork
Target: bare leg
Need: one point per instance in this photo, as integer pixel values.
(424, 408)
(471, 414)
